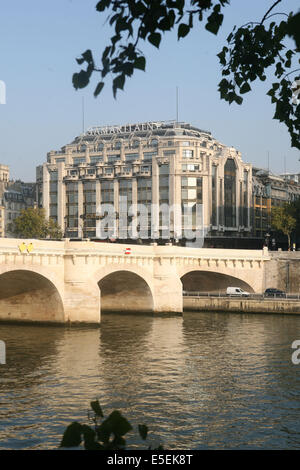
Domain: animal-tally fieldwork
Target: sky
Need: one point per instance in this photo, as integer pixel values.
(39, 42)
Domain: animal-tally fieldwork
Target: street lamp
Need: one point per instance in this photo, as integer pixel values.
(267, 239)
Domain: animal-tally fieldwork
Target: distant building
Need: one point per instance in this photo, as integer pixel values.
(14, 197)
(150, 163)
(17, 197)
(4, 177)
(157, 163)
(291, 177)
(270, 191)
(4, 180)
(2, 218)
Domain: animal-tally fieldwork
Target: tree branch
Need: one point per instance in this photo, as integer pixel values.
(293, 71)
(270, 9)
(274, 14)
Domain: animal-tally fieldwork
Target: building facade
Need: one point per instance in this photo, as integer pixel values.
(150, 164)
(18, 196)
(14, 197)
(270, 191)
(4, 180)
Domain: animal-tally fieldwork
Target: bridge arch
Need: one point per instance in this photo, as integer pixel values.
(211, 281)
(26, 295)
(125, 290)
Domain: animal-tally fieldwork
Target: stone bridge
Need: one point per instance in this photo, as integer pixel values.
(68, 281)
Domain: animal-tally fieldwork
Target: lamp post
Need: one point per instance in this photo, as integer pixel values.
(267, 239)
(65, 225)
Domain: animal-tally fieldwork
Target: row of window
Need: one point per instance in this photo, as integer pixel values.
(134, 144)
(129, 157)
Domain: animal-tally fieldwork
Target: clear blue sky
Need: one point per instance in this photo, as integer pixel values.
(39, 41)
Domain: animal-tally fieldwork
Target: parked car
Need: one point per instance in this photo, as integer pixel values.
(270, 292)
(237, 292)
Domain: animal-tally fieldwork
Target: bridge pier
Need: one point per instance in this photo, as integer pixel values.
(167, 292)
(81, 302)
(81, 296)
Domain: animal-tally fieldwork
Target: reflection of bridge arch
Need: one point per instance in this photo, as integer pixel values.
(211, 281)
(125, 290)
(29, 296)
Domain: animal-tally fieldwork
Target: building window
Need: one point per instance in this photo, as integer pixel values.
(113, 158)
(144, 197)
(78, 160)
(245, 200)
(221, 205)
(164, 219)
(129, 157)
(53, 210)
(107, 192)
(53, 175)
(149, 155)
(191, 196)
(214, 195)
(230, 193)
(71, 220)
(187, 154)
(190, 167)
(96, 159)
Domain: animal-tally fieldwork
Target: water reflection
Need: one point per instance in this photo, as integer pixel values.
(201, 381)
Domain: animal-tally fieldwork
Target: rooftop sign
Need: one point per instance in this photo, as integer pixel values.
(144, 126)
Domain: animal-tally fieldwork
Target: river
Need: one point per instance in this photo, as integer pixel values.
(201, 381)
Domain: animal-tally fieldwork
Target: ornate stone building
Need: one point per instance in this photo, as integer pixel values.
(14, 197)
(4, 179)
(269, 191)
(150, 163)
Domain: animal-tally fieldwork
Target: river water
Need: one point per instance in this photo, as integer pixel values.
(201, 381)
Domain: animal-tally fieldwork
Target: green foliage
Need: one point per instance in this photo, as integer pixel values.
(107, 434)
(283, 221)
(250, 51)
(294, 211)
(32, 223)
(134, 21)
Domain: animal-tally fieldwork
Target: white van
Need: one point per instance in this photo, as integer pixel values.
(237, 291)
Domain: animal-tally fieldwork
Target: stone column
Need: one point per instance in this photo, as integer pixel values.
(116, 206)
(172, 196)
(206, 201)
(61, 196)
(217, 195)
